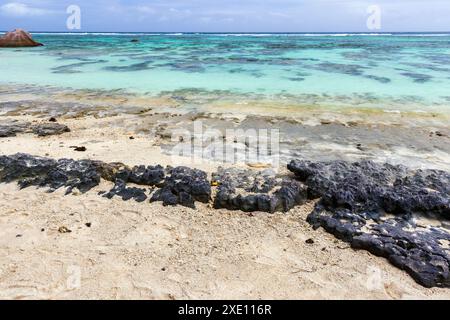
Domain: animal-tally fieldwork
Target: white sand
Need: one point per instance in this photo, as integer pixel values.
(147, 251)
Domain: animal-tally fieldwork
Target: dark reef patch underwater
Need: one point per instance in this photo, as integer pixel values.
(375, 207)
(386, 66)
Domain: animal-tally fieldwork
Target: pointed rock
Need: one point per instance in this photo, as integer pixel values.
(18, 38)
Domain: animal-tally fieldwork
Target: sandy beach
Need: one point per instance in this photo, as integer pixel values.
(79, 246)
(146, 251)
(224, 150)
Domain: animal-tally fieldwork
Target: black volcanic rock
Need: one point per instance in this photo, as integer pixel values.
(381, 208)
(184, 186)
(42, 172)
(126, 193)
(23, 166)
(378, 208)
(143, 175)
(175, 186)
(367, 186)
(252, 191)
(80, 174)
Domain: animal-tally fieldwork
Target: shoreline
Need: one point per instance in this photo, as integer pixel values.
(151, 251)
(220, 101)
(316, 133)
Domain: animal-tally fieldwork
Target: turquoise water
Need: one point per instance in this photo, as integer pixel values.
(398, 70)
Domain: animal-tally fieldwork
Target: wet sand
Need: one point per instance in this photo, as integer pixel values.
(417, 139)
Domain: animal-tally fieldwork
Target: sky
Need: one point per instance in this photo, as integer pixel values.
(227, 15)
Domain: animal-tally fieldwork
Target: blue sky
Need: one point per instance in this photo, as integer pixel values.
(226, 15)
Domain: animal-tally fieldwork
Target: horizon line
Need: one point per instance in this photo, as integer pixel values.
(233, 32)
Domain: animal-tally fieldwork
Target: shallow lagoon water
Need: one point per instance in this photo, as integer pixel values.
(395, 71)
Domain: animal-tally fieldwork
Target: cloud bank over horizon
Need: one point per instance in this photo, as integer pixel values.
(226, 15)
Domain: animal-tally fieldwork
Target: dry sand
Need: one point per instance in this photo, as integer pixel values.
(129, 250)
(146, 251)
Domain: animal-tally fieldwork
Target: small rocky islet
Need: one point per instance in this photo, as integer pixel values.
(375, 207)
(18, 38)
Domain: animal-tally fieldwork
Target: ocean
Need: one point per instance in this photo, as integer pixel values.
(388, 71)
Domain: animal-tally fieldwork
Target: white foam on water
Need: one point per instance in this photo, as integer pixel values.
(356, 34)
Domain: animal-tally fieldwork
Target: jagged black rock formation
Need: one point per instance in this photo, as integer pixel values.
(367, 186)
(176, 186)
(184, 186)
(251, 191)
(126, 193)
(179, 185)
(12, 128)
(142, 175)
(378, 207)
(43, 172)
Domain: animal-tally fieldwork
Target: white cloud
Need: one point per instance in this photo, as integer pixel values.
(145, 9)
(16, 9)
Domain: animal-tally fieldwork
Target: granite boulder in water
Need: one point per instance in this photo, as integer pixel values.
(18, 38)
